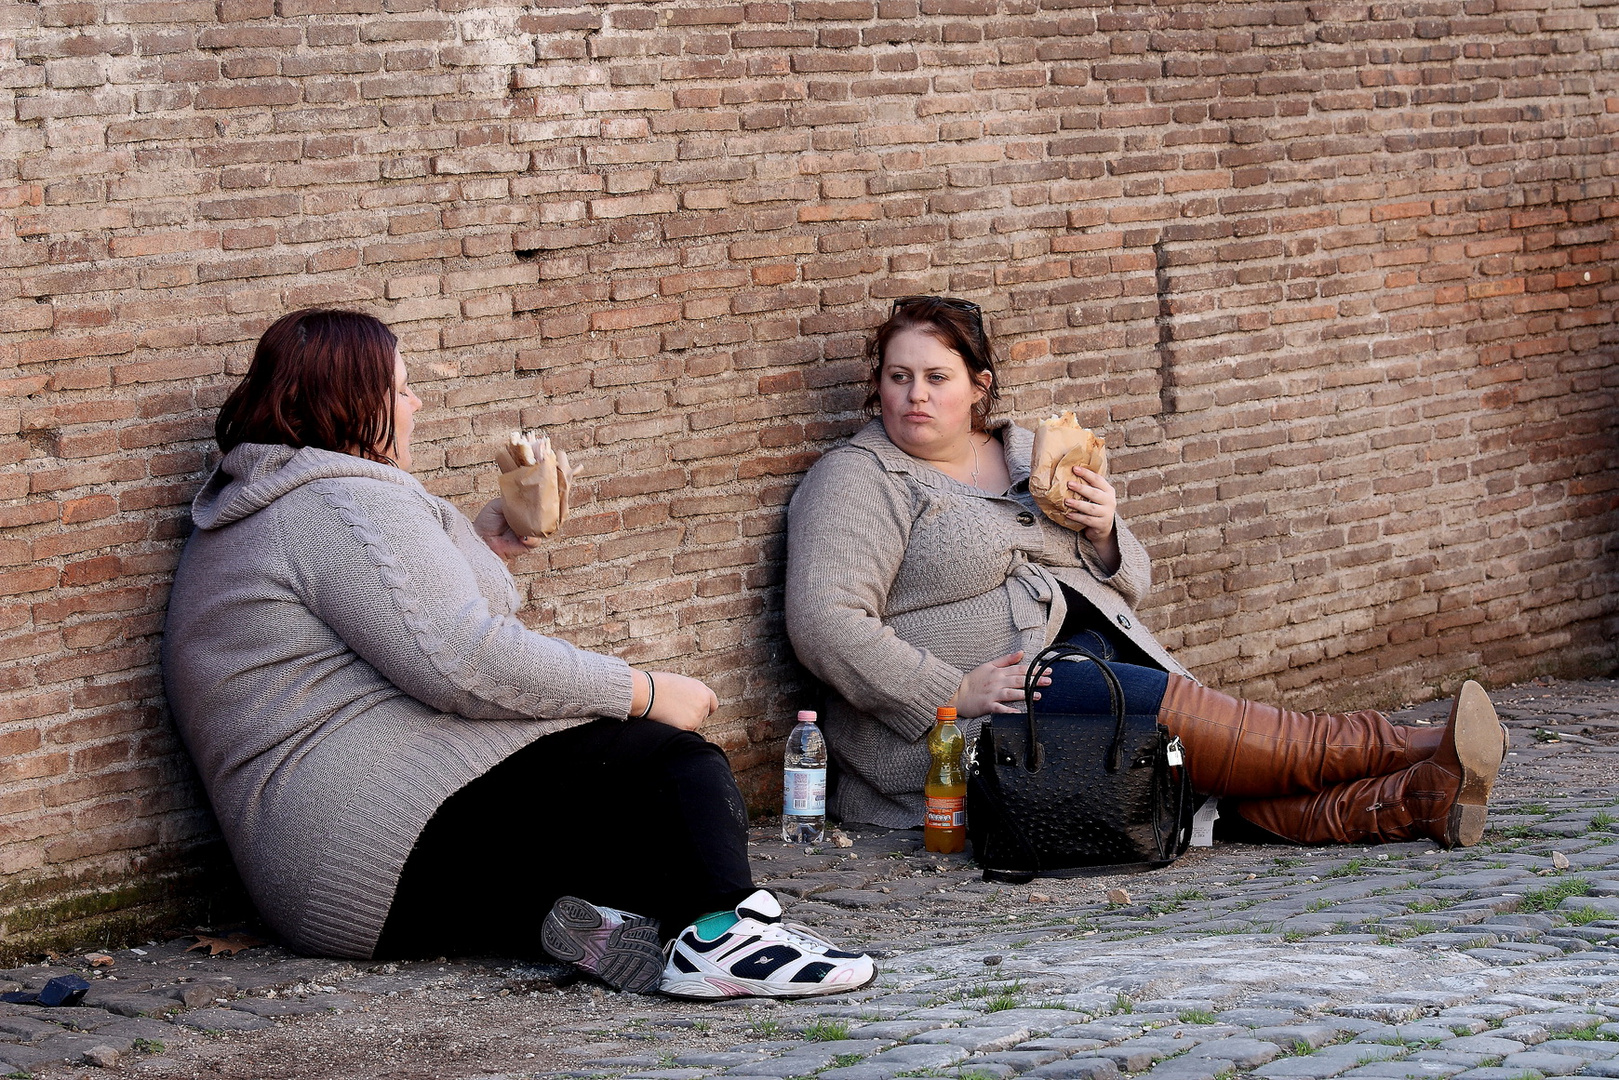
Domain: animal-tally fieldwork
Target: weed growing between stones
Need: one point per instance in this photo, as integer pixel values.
(1581, 915)
(1002, 1002)
(826, 1031)
(1353, 866)
(1590, 1033)
(1423, 907)
(1549, 897)
(767, 1028)
(1123, 1004)
(843, 1061)
(1197, 1016)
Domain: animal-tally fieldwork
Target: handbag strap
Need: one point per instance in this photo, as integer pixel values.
(1170, 847)
(1042, 664)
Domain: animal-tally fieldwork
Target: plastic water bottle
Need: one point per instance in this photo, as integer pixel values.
(803, 785)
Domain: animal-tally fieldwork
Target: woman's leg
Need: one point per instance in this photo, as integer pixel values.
(1248, 750)
(1251, 751)
(634, 815)
(1241, 748)
(1442, 798)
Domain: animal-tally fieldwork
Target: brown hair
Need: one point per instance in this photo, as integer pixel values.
(319, 378)
(958, 325)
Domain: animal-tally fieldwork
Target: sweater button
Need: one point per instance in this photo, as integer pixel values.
(1124, 621)
(1025, 518)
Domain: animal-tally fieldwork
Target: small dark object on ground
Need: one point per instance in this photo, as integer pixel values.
(64, 990)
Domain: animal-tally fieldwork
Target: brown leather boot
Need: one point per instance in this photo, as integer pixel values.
(1442, 798)
(1245, 749)
(1421, 742)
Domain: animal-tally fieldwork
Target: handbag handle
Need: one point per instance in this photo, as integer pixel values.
(1049, 657)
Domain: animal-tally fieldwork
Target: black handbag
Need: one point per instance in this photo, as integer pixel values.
(1054, 791)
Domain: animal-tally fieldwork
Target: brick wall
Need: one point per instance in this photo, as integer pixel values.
(1335, 279)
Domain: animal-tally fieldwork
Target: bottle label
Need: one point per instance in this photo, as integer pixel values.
(946, 813)
(804, 792)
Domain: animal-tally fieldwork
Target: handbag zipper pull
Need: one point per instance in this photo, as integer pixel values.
(1172, 752)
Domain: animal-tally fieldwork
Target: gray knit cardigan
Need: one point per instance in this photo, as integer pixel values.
(901, 579)
(341, 655)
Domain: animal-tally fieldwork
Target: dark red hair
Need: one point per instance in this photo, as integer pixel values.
(319, 378)
(958, 325)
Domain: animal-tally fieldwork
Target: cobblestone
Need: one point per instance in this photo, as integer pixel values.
(1239, 962)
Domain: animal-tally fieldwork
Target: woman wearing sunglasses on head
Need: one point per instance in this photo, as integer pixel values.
(921, 573)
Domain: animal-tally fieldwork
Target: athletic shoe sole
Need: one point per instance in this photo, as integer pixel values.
(625, 955)
(1480, 746)
(712, 987)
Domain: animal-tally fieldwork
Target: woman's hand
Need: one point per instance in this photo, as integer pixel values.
(986, 688)
(491, 527)
(1092, 504)
(677, 700)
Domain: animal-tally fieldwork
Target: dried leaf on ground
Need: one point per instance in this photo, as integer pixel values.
(230, 945)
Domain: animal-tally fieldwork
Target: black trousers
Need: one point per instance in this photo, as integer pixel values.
(635, 815)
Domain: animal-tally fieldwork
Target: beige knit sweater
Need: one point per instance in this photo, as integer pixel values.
(901, 579)
(342, 654)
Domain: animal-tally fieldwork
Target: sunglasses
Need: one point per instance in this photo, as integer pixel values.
(953, 303)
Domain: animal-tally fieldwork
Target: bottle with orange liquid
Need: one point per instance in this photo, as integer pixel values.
(944, 827)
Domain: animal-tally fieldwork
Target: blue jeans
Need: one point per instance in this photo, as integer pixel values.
(1080, 688)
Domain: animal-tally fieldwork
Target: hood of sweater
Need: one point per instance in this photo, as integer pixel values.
(254, 475)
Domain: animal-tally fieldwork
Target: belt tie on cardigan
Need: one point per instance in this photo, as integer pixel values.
(1037, 599)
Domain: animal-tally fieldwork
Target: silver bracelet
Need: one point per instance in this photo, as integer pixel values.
(651, 696)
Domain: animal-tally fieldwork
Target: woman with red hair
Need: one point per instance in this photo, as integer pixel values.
(401, 766)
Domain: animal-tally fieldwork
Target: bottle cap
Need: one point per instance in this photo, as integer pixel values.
(806, 716)
(945, 712)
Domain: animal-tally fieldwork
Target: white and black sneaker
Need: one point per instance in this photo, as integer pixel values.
(617, 947)
(761, 956)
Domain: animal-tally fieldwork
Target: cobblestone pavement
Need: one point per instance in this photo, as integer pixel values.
(1499, 962)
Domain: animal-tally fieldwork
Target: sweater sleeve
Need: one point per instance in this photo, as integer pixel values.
(847, 528)
(381, 571)
(1133, 578)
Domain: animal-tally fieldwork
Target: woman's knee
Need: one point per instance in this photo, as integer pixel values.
(1081, 687)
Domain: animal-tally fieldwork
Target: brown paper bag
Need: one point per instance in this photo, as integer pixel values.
(534, 484)
(1060, 443)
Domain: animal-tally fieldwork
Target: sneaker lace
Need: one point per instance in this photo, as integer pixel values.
(799, 934)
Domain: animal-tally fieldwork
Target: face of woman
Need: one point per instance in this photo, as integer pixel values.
(927, 394)
(405, 404)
